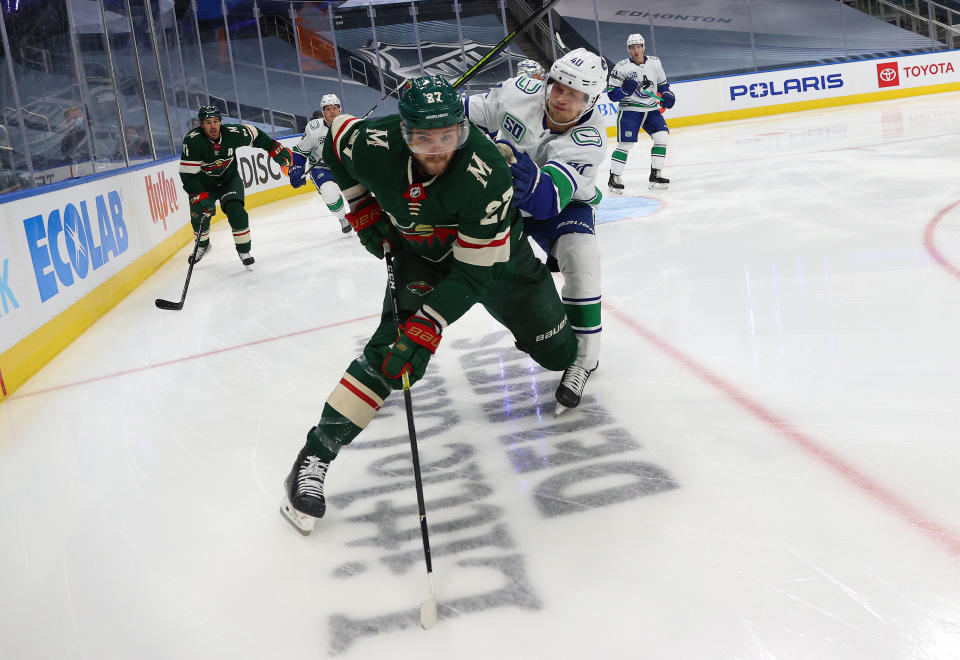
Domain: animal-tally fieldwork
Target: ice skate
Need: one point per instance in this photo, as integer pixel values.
(657, 181)
(571, 386)
(303, 500)
(246, 258)
(345, 227)
(202, 250)
(615, 184)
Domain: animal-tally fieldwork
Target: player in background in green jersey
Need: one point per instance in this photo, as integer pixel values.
(442, 202)
(208, 169)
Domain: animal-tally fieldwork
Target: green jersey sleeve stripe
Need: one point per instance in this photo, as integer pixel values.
(562, 183)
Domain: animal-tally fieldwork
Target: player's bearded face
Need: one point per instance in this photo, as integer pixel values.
(331, 112)
(433, 148)
(211, 127)
(565, 103)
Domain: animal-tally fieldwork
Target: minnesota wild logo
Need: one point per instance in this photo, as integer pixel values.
(427, 233)
(420, 288)
(217, 167)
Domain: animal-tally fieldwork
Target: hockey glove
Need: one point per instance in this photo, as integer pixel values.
(412, 350)
(667, 99)
(281, 155)
(373, 228)
(202, 207)
(298, 170)
(629, 86)
(526, 175)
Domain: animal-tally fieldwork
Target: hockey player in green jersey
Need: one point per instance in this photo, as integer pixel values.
(442, 203)
(208, 169)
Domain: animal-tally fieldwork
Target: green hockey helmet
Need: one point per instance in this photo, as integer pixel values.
(428, 103)
(209, 111)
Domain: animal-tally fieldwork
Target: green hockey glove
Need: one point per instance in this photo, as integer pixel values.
(411, 352)
(281, 155)
(373, 228)
(202, 207)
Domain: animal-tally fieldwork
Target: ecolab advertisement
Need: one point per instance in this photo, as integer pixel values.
(57, 247)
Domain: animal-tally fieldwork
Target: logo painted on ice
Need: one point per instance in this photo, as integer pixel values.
(887, 74)
(759, 90)
(71, 232)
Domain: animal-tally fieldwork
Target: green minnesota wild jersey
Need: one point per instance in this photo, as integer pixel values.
(460, 220)
(205, 164)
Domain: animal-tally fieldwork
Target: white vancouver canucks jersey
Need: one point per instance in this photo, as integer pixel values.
(514, 111)
(311, 144)
(652, 69)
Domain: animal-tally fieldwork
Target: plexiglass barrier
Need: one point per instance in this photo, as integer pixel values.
(88, 86)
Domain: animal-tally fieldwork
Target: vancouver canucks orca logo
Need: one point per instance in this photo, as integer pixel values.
(420, 288)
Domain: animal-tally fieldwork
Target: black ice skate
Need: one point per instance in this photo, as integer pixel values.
(657, 181)
(202, 250)
(246, 259)
(571, 387)
(614, 184)
(304, 501)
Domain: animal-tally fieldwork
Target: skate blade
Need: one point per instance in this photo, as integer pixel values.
(560, 409)
(659, 186)
(300, 521)
(614, 191)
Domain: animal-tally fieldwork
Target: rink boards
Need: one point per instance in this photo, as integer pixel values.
(69, 252)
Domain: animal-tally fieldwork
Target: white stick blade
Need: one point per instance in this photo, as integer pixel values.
(428, 613)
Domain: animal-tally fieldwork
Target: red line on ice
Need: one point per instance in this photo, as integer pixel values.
(929, 243)
(939, 533)
(194, 357)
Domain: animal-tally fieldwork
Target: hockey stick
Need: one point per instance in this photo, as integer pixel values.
(483, 61)
(169, 304)
(428, 608)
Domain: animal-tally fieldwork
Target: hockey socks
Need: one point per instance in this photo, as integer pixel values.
(350, 407)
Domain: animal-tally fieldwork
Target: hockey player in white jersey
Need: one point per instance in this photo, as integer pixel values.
(558, 141)
(310, 150)
(643, 93)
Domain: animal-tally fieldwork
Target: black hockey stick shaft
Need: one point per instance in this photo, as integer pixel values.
(483, 61)
(408, 401)
(169, 304)
(430, 604)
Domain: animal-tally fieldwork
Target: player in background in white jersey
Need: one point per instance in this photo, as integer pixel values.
(643, 94)
(557, 140)
(310, 150)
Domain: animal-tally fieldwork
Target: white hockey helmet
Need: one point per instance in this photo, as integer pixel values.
(328, 99)
(636, 39)
(530, 69)
(583, 71)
